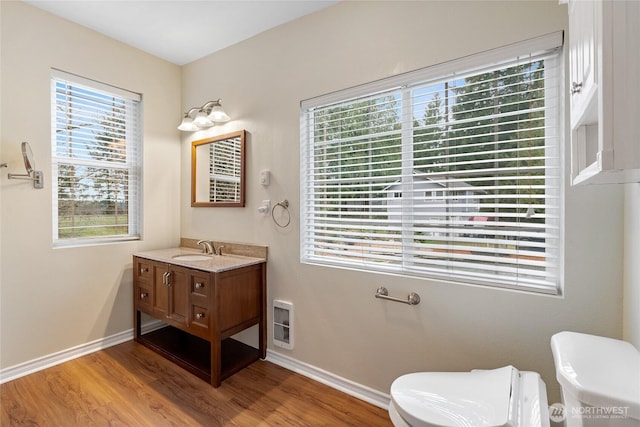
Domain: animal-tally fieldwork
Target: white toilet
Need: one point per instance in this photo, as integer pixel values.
(497, 397)
(599, 379)
(592, 371)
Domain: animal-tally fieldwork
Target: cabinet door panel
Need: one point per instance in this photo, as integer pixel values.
(178, 294)
(160, 290)
(582, 56)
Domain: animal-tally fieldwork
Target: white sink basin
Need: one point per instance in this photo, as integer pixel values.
(194, 257)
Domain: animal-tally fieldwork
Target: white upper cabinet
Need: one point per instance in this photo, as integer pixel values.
(604, 86)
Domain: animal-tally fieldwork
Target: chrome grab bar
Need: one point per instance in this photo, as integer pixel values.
(412, 298)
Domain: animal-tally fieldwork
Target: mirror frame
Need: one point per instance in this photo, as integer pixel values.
(27, 156)
(213, 140)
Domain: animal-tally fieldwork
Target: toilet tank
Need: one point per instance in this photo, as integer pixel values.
(599, 378)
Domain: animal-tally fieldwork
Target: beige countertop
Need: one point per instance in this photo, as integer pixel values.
(215, 263)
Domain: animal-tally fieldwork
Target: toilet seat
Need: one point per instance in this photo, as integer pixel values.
(480, 398)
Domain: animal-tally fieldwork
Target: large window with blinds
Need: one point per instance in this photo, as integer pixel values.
(451, 172)
(96, 143)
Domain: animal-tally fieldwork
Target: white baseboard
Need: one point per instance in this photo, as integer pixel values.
(349, 387)
(44, 362)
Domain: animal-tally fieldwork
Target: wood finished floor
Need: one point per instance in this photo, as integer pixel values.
(129, 385)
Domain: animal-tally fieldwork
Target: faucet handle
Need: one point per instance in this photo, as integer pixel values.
(219, 250)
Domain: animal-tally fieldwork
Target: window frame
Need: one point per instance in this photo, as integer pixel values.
(471, 64)
(132, 166)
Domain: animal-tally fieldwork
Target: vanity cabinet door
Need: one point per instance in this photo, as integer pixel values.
(178, 304)
(160, 290)
(170, 293)
(583, 18)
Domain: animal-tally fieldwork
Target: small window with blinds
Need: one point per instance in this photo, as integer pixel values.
(451, 172)
(96, 142)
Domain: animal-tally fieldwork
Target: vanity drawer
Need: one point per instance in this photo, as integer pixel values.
(199, 324)
(143, 270)
(200, 285)
(143, 298)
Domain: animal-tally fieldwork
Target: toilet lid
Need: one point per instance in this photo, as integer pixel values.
(477, 398)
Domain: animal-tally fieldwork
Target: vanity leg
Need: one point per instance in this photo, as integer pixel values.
(262, 341)
(216, 362)
(136, 325)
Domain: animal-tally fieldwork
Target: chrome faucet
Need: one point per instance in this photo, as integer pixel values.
(207, 247)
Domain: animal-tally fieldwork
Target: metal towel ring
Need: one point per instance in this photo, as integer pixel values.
(284, 205)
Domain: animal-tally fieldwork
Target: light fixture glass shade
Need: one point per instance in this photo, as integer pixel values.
(218, 115)
(202, 121)
(187, 124)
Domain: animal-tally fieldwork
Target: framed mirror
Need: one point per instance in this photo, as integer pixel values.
(217, 171)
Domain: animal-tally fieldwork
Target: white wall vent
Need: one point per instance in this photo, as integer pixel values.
(283, 324)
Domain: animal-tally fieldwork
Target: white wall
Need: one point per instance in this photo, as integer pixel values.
(631, 309)
(54, 299)
(339, 325)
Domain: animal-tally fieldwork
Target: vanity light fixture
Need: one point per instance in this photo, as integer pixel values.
(205, 117)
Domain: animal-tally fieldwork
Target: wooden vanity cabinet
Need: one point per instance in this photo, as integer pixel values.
(200, 311)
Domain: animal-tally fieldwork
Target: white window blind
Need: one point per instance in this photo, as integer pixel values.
(451, 172)
(96, 141)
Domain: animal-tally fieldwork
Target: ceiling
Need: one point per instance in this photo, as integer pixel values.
(181, 31)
